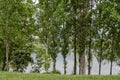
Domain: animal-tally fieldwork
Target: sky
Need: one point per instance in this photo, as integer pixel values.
(35, 1)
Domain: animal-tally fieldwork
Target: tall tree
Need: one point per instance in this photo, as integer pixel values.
(81, 35)
(74, 4)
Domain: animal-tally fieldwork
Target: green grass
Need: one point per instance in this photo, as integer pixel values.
(32, 76)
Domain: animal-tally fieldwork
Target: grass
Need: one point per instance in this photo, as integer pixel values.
(35, 76)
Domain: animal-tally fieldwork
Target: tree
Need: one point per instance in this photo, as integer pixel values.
(107, 25)
(16, 25)
(82, 34)
(74, 5)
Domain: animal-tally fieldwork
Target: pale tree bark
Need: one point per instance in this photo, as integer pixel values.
(7, 46)
(81, 41)
(82, 63)
(46, 55)
(7, 55)
(5, 33)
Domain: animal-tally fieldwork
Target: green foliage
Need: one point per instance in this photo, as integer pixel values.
(106, 21)
(19, 60)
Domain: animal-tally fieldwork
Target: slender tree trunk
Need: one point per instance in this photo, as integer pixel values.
(101, 42)
(89, 57)
(7, 46)
(79, 65)
(54, 65)
(112, 57)
(65, 64)
(75, 62)
(74, 41)
(90, 41)
(7, 56)
(82, 64)
(111, 62)
(100, 68)
(46, 55)
(101, 49)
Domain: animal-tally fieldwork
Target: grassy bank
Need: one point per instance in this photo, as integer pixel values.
(19, 76)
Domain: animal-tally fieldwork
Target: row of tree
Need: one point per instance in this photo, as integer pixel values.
(49, 27)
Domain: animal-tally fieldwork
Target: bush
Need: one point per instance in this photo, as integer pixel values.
(53, 72)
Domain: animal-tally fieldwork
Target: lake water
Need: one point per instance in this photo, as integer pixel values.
(105, 69)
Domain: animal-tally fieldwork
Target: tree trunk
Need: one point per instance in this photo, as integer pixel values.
(7, 45)
(100, 56)
(100, 68)
(111, 62)
(89, 58)
(65, 64)
(111, 58)
(54, 52)
(82, 64)
(75, 62)
(54, 65)
(46, 55)
(112, 55)
(90, 41)
(7, 56)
